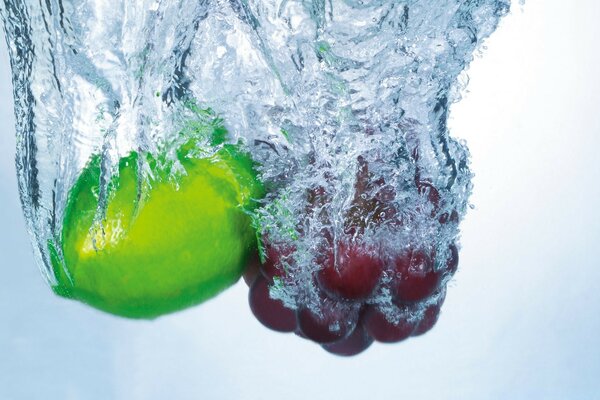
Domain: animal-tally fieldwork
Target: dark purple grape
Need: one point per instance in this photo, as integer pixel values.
(357, 342)
(354, 275)
(337, 321)
(270, 312)
(385, 331)
(252, 270)
(275, 255)
(415, 278)
(430, 316)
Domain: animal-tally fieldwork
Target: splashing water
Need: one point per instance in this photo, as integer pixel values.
(343, 104)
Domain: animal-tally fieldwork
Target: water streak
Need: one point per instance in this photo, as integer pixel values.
(344, 103)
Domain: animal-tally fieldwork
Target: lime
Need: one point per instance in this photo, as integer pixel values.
(160, 245)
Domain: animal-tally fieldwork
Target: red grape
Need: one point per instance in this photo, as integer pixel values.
(430, 317)
(385, 331)
(275, 254)
(357, 342)
(252, 269)
(354, 275)
(415, 278)
(336, 322)
(270, 312)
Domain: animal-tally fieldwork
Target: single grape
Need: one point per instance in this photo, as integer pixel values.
(357, 342)
(270, 312)
(430, 316)
(415, 278)
(384, 331)
(337, 321)
(276, 255)
(353, 275)
(252, 269)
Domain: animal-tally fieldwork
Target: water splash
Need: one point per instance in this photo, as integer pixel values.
(343, 103)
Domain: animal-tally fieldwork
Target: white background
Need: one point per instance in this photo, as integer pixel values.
(521, 320)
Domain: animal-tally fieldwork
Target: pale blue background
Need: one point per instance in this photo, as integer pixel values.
(521, 320)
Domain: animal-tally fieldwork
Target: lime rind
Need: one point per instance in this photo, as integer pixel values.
(163, 248)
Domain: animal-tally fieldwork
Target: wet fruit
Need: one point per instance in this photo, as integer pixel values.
(430, 317)
(163, 243)
(270, 312)
(352, 273)
(357, 342)
(385, 331)
(415, 277)
(357, 291)
(332, 322)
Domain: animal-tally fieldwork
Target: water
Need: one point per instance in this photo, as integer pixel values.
(343, 103)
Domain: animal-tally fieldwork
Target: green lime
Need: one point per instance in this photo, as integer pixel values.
(178, 244)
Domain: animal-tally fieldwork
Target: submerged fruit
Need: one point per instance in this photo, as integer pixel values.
(357, 342)
(355, 274)
(270, 312)
(161, 245)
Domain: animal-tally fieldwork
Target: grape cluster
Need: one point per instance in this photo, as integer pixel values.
(350, 277)
(346, 323)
